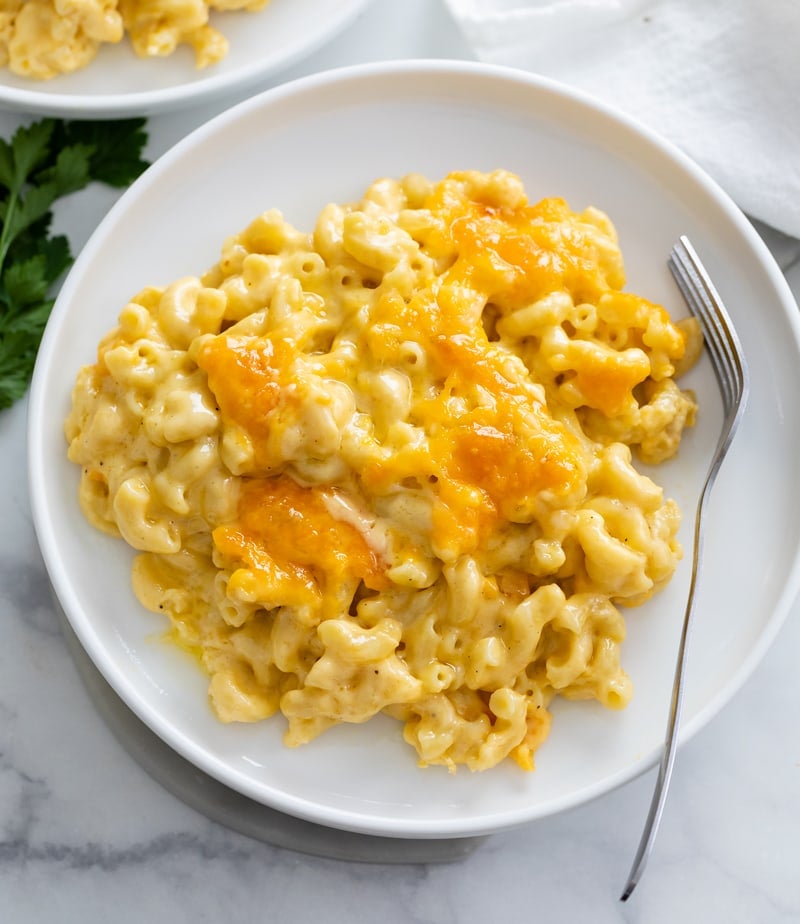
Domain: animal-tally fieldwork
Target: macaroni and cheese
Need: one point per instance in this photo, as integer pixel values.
(387, 466)
(44, 38)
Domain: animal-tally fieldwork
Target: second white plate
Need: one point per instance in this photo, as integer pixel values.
(119, 84)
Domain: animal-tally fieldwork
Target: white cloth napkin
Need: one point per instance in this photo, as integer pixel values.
(719, 78)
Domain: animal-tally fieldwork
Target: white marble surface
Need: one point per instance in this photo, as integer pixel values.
(87, 836)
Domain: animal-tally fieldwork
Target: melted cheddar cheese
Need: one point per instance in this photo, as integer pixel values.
(387, 466)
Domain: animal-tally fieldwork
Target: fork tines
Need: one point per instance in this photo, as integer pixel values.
(706, 305)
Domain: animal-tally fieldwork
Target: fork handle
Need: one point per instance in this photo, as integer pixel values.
(653, 819)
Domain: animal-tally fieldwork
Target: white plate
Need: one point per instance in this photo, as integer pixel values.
(119, 84)
(325, 138)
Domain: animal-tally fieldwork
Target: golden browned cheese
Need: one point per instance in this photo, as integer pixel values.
(387, 466)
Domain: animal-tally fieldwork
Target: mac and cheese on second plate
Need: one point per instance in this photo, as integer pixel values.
(44, 38)
(386, 466)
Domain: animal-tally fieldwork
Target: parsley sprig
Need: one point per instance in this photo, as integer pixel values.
(43, 162)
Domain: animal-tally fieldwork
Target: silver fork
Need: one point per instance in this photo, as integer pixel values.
(732, 376)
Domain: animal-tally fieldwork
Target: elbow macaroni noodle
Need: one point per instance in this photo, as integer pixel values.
(387, 467)
(44, 38)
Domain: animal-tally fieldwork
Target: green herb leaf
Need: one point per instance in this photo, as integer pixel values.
(117, 148)
(30, 146)
(42, 163)
(6, 165)
(70, 171)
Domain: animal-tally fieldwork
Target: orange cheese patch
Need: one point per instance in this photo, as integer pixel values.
(607, 381)
(521, 254)
(485, 461)
(248, 376)
(285, 532)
